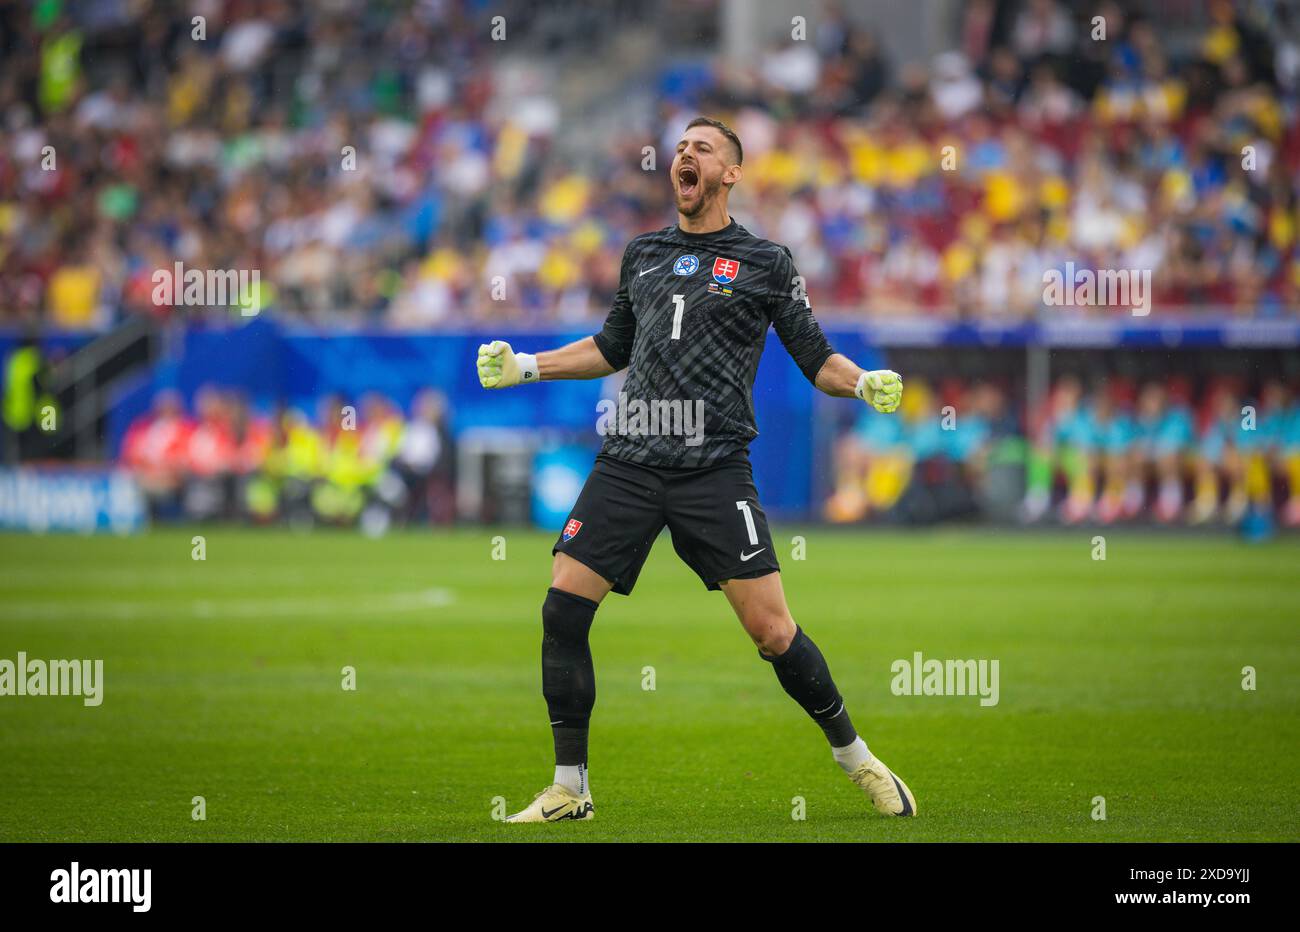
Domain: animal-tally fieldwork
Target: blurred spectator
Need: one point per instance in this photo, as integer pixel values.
(1042, 27)
(156, 449)
(423, 462)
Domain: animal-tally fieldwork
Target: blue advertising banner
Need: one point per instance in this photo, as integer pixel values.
(78, 500)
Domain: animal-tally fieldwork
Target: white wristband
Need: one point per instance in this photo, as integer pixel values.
(860, 388)
(527, 363)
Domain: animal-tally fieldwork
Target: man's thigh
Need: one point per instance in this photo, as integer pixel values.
(568, 575)
(614, 522)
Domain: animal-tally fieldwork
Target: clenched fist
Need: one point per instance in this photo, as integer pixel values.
(501, 367)
(881, 388)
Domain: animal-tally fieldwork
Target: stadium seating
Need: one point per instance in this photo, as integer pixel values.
(381, 167)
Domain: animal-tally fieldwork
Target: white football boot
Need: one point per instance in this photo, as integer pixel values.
(888, 793)
(557, 803)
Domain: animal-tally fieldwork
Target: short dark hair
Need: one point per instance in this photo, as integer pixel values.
(725, 130)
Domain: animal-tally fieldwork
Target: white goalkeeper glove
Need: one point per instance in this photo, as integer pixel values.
(501, 367)
(880, 388)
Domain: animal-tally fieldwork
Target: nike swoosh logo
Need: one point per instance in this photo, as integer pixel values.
(547, 815)
(648, 271)
(907, 807)
(747, 556)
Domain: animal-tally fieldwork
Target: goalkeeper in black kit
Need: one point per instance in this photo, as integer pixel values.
(688, 324)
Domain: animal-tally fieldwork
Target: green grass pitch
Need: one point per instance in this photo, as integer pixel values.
(1120, 679)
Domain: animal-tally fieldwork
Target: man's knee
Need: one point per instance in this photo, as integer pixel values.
(760, 605)
(566, 616)
(568, 681)
(771, 630)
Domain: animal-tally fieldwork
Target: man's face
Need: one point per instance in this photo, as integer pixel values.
(703, 163)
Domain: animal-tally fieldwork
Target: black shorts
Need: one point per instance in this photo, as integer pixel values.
(718, 527)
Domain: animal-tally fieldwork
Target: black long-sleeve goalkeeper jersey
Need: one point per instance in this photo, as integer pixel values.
(689, 323)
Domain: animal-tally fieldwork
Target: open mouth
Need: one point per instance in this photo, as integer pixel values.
(688, 180)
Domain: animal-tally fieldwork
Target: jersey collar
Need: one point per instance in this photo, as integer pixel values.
(726, 231)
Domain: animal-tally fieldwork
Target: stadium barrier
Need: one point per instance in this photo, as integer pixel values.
(272, 365)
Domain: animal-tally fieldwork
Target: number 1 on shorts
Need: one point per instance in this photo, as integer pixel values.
(743, 508)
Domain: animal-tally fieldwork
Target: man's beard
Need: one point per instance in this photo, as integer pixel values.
(708, 193)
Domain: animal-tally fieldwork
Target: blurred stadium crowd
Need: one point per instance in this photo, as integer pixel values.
(232, 153)
(1112, 451)
(367, 464)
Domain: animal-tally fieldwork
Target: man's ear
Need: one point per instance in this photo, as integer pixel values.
(732, 174)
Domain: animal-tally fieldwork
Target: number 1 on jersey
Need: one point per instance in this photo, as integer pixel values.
(679, 303)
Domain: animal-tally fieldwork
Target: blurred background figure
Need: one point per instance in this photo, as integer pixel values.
(28, 408)
(424, 462)
(1165, 434)
(210, 459)
(155, 449)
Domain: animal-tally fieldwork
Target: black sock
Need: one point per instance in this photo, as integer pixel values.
(804, 675)
(568, 678)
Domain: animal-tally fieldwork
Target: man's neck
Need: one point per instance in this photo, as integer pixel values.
(712, 220)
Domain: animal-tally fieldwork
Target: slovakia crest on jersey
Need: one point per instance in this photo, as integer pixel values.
(725, 271)
(571, 529)
(686, 265)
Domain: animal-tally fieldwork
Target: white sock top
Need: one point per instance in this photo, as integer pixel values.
(573, 778)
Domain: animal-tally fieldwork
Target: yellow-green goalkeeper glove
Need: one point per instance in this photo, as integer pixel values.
(880, 388)
(501, 367)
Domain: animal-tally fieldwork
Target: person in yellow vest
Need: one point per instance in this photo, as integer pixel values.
(338, 499)
(29, 411)
(300, 465)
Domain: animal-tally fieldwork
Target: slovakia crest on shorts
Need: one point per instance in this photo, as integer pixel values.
(725, 271)
(686, 265)
(571, 529)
